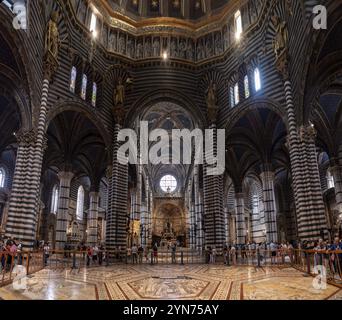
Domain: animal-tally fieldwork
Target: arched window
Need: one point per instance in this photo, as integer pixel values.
(238, 25)
(73, 79)
(257, 80)
(84, 87)
(80, 203)
(94, 95)
(330, 180)
(54, 199)
(236, 94)
(2, 177)
(246, 85)
(92, 27)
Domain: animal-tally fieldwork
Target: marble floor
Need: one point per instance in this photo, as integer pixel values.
(193, 282)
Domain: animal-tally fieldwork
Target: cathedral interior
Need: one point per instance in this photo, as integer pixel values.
(74, 73)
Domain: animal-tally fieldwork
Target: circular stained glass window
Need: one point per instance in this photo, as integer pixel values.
(168, 183)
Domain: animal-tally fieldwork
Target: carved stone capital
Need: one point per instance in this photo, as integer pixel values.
(26, 137)
(50, 65)
(282, 64)
(307, 133)
(212, 113)
(119, 114)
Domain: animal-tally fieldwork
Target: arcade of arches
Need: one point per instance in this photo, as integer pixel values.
(83, 70)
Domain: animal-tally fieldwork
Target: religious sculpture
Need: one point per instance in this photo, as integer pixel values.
(148, 48)
(211, 100)
(208, 48)
(122, 45)
(52, 41)
(182, 49)
(218, 46)
(173, 48)
(281, 36)
(226, 38)
(190, 51)
(130, 48)
(200, 53)
(112, 44)
(156, 48)
(139, 51)
(119, 93)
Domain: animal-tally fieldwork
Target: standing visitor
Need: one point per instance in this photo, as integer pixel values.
(155, 253)
(46, 253)
(173, 253)
(140, 254)
(233, 254)
(273, 248)
(135, 253)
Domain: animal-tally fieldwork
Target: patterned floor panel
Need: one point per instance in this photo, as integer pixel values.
(195, 282)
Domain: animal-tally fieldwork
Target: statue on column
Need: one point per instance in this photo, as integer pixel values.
(280, 45)
(119, 99)
(52, 44)
(280, 41)
(119, 93)
(52, 40)
(211, 100)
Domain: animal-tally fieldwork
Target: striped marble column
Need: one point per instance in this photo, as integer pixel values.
(116, 232)
(22, 221)
(198, 211)
(18, 225)
(311, 220)
(213, 200)
(63, 208)
(92, 218)
(227, 225)
(270, 211)
(241, 230)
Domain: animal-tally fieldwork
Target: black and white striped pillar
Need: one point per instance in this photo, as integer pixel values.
(17, 225)
(311, 222)
(63, 208)
(93, 218)
(270, 211)
(116, 226)
(241, 230)
(213, 200)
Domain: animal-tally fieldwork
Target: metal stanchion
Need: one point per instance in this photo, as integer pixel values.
(73, 260)
(182, 256)
(152, 257)
(259, 258)
(107, 258)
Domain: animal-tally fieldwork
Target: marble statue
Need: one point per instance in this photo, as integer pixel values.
(226, 38)
(190, 51)
(139, 51)
(122, 45)
(182, 49)
(281, 36)
(119, 93)
(148, 49)
(130, 48)
(208, 48)
(173, 48)
(52, 40)
(112, 42)
(211, 100)
(218, 44)
(156, 48)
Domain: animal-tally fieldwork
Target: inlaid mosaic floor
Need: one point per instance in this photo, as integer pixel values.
(195, 282)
